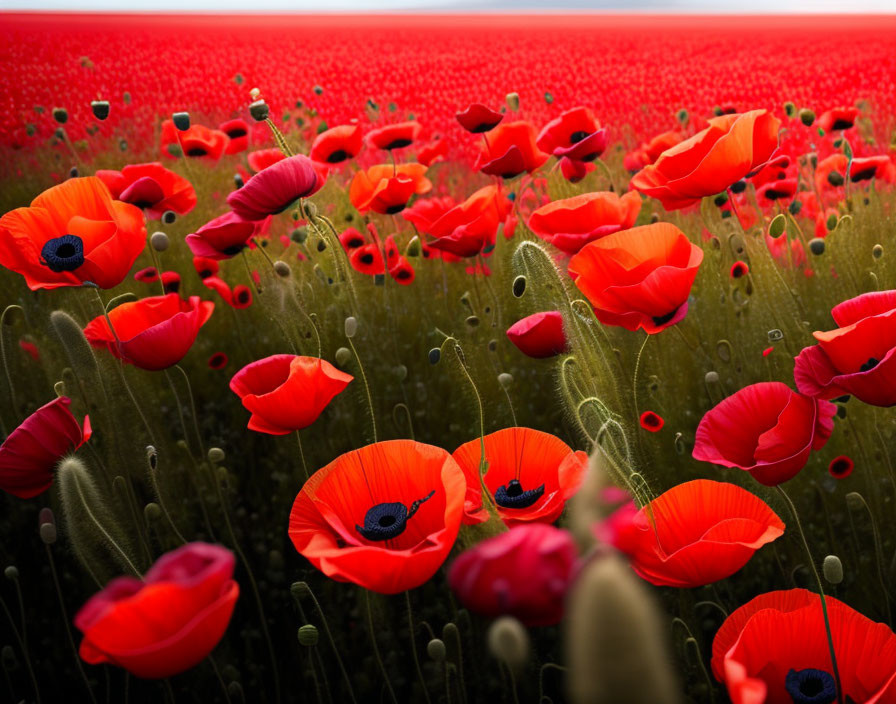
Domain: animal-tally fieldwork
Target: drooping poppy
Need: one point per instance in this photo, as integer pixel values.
(153, 333)
(477, 118)
(397, 136)
(167, 622)
(151, 187)
(196, 141)
(777, 190)
(223, 237)
(838, 119)
(524, 573)
(539, 335)
(205, 267)
(384, 517)
(386, 188)
(767, 429)
(467, 228)
(694, 534)
(237, 131)
(336, 145)
(857, 358)
(576, 135)
(708, 163)
(170, 281)
(638, 278)
(511, 150)
(285, 392)
(530, 476)
(31, 452)
(774, 649)
(71, 234)
(261, 159)
(274, 188)
(571, 223)
(574, 171)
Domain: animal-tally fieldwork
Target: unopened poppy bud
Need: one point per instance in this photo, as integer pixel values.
(711, 377)
(831, 222)
(310, 209)
(519, 286)
(513, 101)
(73, 172)
(508, 641)
(854, 500)
(168, 217)
(152, 512)
(435, 354)
(46, 515)
(720, 199)
(343, 357)
(816, 246)
(59, 388)
(300, 589)
(351, 326)
(789, 109)
(795, 207)
(59, 133)
(472, 321)
(505, 380)
(47, 533)
(833, 569)
(401, 372)
(776, 226)
(216, 454)
(877, 251)
(548, 98)
(100, 109)
(282, 269)
(299, 235)
(682, 116)
(159, 241)
(413, 249)
(436, 650)
(318, 90)
(181, 120)
(11, 572)
(238, 181)
(308, 635)
(807, 117)
(259, 110)
(835, 178)
(60, 115)
(152, 457)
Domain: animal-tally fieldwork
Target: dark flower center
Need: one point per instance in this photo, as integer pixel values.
(663, 319)
(483, 127)
(242, 297)
(869, 365)
(403, 274)
(337, 156)
(810, 687)
(236, 132)
(398, 144)
(739, 187)
(577, 137)
(366, 258)
(64, 253)
(841, 125)
(864, 174)
(232, 251)
(393, 209)
(512, 495)
(388, 520)
(197, 151)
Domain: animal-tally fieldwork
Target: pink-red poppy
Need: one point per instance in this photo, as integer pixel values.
(539, 335)
(696, 533)
(336, 145)
(286, 392)
(30, 454)
(384, 517)
(782, 189)
(530, 476)
(638, 278)
(766, 429)
(224, 237)
(205, 266)
(425, 211)
(148, 275)
(467, 228)
(571, 223)
(275, 188)
(237, 131)
(152, 333)
(477, 118)
(386, 188)
(167, 622)
(511, 151)
(524, 573)
(397, 136)
(71, 234)
(151, 187)
(576, 134)
(196, 141)
(170, 281)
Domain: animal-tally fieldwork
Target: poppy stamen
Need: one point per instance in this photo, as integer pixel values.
(811, 686)
(512, 495)
(870, 364)
(64, 253)
(388, 520)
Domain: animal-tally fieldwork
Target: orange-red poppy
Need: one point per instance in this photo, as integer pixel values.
(571, 223)
(467, 228)
(397, 136)
(337, 144)
(575, 134)
(196, 141)
(386, 188)
(237, 131)
(650, 151)
(511, 150)
(384, 517)
(838, 119)
(539, 335)
(151, 187)
(261, 159)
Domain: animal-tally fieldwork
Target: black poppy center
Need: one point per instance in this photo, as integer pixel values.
(772, 194)
(242, 297)
(864, 174)
(64, 253)
(577, 136)
(663, 319)
(841, 125)
(512, 495)
(354, 242)
(232, 251)
(337, 156)
(403, 274)
(236, 133)
(394, 209)
(739, 186)
(810, 686)
(388, 520)
(197, 151)
(870, 364)
(483, 127)
(366, 258)
(398, 144)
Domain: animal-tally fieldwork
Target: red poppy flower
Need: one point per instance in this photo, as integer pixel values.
(710, 161)
(222, 237)
(838, 119)
(651, 421)
(151, 187)
(384, 517)
(530, 475)
(425, 211)
(866, 168)
(469, 227)
(765, 428)
(237, 130)
(336, 145)
(774, 649)
(197, 141)
(30, 453)
(261, 159)
(218, 360)
(830, 174)
(205, 266)
(524, 573)
(402, 271)
(153, 333)
(477, 118)
(386, 189)
(433, 152)
(285, 392)
(571, 223)
(777, 190)
(367, 259)
(72, 233)
(650, 151)
(351, 239)
(694, 534)
(539, 335)
(859, 357)
(638, 278)
(576, 135)
(275, 188)
(739, 269)
(397, 136)
(167, 622)
(841, 467)
(148, 275)
(170, 281)
(511, 150)
(30, 349)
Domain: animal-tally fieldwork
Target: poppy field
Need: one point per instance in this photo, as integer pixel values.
(448, 359)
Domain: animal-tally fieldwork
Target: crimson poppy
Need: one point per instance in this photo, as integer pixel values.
(274, 188)
(477, 118)
(766, 429)
(530, 475)
(402, 271)
(151, 187)
(195, 141)
(638, 278)
(237, 130)
(218, 360)
(650, 151)
(384, 517)
(222, 237)
(539, 335)
(367, 259)
(30, 453)
(574, 171)
(71, 234)
(739, 269)
(571, 223)
(651, 421)
(351, 239)
(30, 349)
(774, 649)
(153, 333)
(167, 622)
(524, 573)
(205, 266)
(467, 228)
(286, 392)
(261, 159)
(857, 358)
(335, 145)
(397, 136)
(838, 119)
(694, 534)
(841, 467)
(708, 163)
(830, 174)
(386, 188)
(777, 190)
(510, 151)
(148, 275)
(576, 135)
(170, 281)
(865, 168)
(425, 211)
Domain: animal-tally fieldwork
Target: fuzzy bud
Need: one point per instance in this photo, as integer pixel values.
(11, 573)
(259, 110)
(343, 357)
(807, 117)
(159, 241)
(413, 249)
(100, 109)
(300, 590)
(519, 286)
(310, 210)
(505, 380)
(308, 635)
(877, 251)
(282, 269)
(436, 650)
(152, 512)
(776, 227)
(48, 533)
(833, 569)
(351, 326)
(216, 454)
(513, 101)
(508, 641)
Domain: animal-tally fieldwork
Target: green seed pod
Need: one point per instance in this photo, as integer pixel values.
(343, 357)
(282, 269)
(351, 326)
(682, 116)
(877, 251)
(816, 246)
(300, 590)
(513, 101)
(548, 98)
(318, 90)
(436, 650)
(414, 248)
(777, 225)
(310, 209)
(299, 235)
(259, 110)
(181, 121)
(508, 641)
(435, 354)
(505, 380)
(11, 572)
(308, 635)
(789, 109)
(215, 454)
(831, 222)
(519, 286)
(60, 115)
(795, 207)
(833, 569)
(807, 117)
(159, 241)
(152, 512)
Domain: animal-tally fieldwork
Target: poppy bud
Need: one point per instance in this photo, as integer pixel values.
(60, 115)
(11, 572)
(711, 378)
(259, 110)
(299, 235)
(48, 533)
(159, 241)
(168, 217)
(835, 178)
(807, 117)
(789, 109)
(831, 222)
(46, 516)
(73, 172)
(435, 354)
(519, 286)
(238, 181)
(682, 116)
(181, 120)
(300, 590)
(215, 454)
(413, 249)
(59, 388)
(152, 512)
(833, 569)
(816, 246)
(854, 500)
(351, 326)
(513, 101)
(505, 380)
(308, 635)
(508, 641)
(795, 207)
(776, 227)
(343, 356)
(720, 199)
(254, 93)
(436, 650)
(318, 90)
(282, 269)
(548, 98)
(100, 109)
(877, 251)
(310, 210)
(472, 321)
